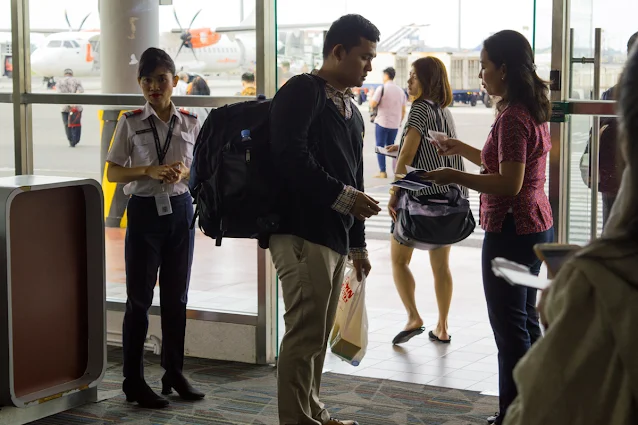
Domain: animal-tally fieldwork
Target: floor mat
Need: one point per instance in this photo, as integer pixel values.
(238, 393)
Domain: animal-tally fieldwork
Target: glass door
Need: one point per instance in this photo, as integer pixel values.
(589, 51)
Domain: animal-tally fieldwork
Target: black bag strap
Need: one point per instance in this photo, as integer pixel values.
(449, 201)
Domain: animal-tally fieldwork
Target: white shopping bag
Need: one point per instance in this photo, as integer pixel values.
(349, 335)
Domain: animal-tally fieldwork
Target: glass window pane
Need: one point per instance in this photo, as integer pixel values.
(7, 158)
(454, 32)
(6, 57)
(223, 278)
(216, 43)
(586, 16)
(579, 192)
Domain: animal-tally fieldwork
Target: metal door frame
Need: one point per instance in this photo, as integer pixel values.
(559, 170)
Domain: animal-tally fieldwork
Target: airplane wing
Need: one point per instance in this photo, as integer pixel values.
(249, 28)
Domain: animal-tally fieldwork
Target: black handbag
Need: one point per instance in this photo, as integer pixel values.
(430, 222)
(433, 221)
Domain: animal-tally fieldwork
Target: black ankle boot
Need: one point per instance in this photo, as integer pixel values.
(137, 390)
(177, 381)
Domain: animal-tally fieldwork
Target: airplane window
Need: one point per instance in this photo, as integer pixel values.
(68, 45)
(55, 43)
(75, 43)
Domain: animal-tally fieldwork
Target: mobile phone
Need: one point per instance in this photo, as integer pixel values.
(554, 255)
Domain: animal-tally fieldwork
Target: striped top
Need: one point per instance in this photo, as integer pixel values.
(423, 117)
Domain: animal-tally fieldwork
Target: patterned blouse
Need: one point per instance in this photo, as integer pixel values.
(516, 137)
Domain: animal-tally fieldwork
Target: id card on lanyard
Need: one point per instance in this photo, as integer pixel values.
(162, 200)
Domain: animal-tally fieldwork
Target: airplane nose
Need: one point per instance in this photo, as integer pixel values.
(36, 61)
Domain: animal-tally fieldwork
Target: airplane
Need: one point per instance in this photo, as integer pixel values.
(211, 51)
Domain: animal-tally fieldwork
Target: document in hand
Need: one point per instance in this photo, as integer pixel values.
(414, 180)
(517, 274)
(384, 151)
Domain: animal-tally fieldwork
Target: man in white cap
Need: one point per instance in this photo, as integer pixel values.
(71, 114)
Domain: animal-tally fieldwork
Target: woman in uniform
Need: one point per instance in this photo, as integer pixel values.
(151, 153)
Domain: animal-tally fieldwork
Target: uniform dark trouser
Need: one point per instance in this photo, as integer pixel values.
(511, 309)
(165, 243)
(73, 134)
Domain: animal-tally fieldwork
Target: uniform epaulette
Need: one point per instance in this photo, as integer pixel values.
(185, 112)
(131, 113)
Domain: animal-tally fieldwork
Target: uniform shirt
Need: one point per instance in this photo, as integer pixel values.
(134, 146)
(70, 85)
(517, 137)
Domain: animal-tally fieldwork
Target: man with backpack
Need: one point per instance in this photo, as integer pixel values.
(316, 137)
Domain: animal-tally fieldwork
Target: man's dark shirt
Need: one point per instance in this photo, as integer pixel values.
(317, 157)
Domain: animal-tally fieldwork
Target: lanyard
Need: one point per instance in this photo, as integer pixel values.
(161, 153)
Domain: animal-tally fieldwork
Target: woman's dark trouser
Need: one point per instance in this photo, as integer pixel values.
(153, 243)
(511, 309)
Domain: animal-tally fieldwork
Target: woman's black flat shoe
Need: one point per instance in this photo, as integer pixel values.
(404, 336)
(437, 339)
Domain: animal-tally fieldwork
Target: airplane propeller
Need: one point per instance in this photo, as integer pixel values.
(66, 16)
(185, 35)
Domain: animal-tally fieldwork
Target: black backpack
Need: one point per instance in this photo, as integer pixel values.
(232, 178)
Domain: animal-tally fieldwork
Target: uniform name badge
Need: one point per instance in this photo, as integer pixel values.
(163, 203)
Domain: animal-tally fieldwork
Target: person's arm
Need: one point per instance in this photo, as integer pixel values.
(376, 97)
(562, 375)
(403, 113)
(420, 120)
(118, 174)
(79, 88)
(511, 136)
(507, 182)
(468, 152)
(456, 147)
(358, 251)
(408, 151)
(292, 112)
(357, 231)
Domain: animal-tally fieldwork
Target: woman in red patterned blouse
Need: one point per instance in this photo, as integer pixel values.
(515, 212)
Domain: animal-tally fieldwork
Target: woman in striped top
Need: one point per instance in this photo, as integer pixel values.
(429, 87)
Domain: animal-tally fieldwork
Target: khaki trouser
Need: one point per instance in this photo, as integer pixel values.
(311, 276)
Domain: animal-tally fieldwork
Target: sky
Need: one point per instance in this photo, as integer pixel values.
(479, 18)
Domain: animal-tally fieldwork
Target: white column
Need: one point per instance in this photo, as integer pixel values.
(128, 27)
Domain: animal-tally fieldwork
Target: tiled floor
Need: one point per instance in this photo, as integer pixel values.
(225, 279)
(468, 362)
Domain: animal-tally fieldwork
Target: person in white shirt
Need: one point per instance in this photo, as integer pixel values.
(152, 152)
(390, 101)
(182, 84)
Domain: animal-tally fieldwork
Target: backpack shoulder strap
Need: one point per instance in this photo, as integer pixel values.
(320, 93)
